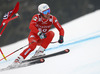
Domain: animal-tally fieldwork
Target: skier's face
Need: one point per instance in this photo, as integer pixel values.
(46, 14)
(46, 11)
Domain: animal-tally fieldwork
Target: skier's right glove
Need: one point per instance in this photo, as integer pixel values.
(41, 35)
(61, 39)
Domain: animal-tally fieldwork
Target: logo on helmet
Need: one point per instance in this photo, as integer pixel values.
(45, 7)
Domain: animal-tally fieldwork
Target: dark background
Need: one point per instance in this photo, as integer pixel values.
(64, 10)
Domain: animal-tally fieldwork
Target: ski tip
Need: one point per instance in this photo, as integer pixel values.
(66, 50)
(42, 60)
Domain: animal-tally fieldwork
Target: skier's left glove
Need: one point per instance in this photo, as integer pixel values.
(61, 39)
(41, 35)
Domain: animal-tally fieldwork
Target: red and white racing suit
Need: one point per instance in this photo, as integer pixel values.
(38, 23)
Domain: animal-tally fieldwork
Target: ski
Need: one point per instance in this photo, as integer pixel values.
(49, 55)
(25, 64)
(36, 60)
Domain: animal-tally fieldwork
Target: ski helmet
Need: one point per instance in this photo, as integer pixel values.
(43, 8)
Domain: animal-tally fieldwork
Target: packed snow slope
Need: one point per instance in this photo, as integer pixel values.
(82, 37)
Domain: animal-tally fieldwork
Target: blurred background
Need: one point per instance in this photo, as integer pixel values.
(64, 10)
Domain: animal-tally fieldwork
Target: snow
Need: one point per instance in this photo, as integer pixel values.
(82, 37)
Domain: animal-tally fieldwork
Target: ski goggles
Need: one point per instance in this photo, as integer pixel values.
(47, 11)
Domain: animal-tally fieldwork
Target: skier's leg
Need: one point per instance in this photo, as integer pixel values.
(28, 50)
(48, 39)
(32, 46)
(44, 43)
(39, 52)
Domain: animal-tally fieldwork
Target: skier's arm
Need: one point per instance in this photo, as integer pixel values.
(58, 26)
(33, 23)
(60, 29)
(34, 29)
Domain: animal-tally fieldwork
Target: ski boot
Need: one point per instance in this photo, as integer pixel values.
(17, 62)
(38, 53)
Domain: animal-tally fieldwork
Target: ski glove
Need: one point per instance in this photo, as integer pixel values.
(41, 35)
(61, 39)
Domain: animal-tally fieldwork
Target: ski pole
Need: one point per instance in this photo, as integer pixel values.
(3, 54)
(16, 51)
(20, 49)
(54, 42)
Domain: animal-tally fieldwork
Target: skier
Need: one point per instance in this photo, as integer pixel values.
(39, 32)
